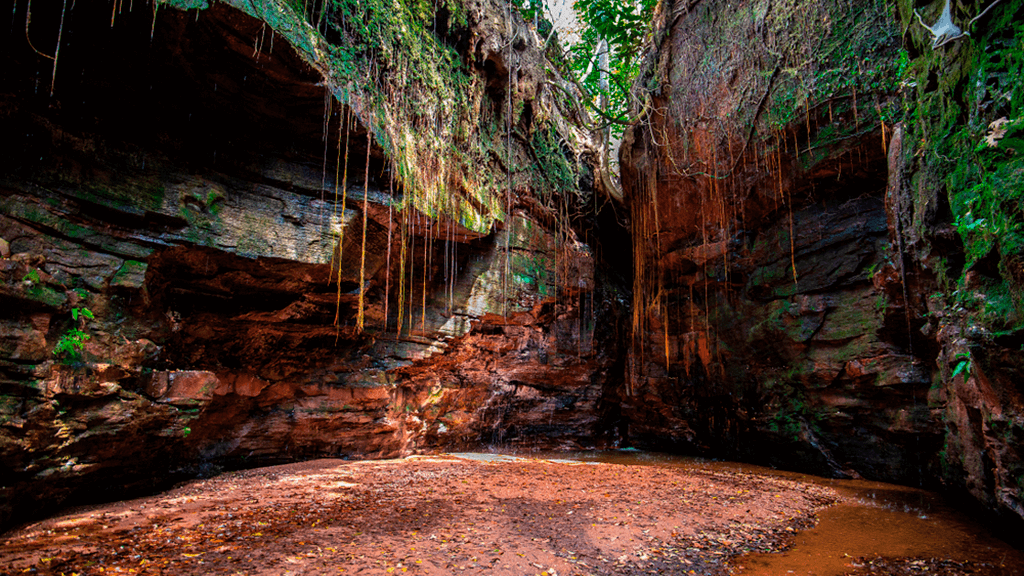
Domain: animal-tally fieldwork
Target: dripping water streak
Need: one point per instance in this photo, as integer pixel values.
(401, 269)
(28, 38)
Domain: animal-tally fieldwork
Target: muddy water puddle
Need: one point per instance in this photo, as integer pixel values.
(877, 528)
(878, 520)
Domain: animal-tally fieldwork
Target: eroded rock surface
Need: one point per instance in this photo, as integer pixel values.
(793, 296)
(176, 208)
(232, 251)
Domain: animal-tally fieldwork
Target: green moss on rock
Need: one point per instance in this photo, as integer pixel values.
(131, 274)
(424, 103)
(966, 117)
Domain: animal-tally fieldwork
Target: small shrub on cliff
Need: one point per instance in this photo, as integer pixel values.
(69, 348)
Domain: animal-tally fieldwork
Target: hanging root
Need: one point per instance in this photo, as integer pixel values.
(28, 22)
(387, 265)
(344, 200)
(362, 256)
(56, 53)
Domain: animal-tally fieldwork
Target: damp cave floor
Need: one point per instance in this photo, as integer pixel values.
(437, 515)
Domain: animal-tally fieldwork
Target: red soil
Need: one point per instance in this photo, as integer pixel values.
(428, 515)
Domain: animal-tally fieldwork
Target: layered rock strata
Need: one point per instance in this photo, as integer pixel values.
(793, 292)
(194, 278)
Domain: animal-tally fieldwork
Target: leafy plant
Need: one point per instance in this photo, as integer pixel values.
(964, 364)
(623, 26)
(32, 277)
(69, 347)
(881, 304)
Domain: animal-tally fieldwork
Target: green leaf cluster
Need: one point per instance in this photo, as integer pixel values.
(77, 313)
(963, 364)
(70, 345)
(624, 25)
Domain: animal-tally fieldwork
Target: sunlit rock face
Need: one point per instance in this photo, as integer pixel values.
(183, 185)
(790, 259)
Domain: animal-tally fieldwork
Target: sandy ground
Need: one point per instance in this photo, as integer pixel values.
(428, 515)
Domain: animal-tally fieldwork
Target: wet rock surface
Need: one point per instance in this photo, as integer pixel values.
(792, 293)
(777, 325)
(169, 217)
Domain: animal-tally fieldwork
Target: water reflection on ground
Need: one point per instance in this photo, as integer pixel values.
(875, 520)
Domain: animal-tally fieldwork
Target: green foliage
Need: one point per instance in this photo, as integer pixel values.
(534, 11)
(881, 304)
(967, 117)
(791, 412)
(963, 365)
(68, 349)
(836, 58)
(1000, 310)
(32, 277)
(553, 173)
(394, 63)
(69, 346)
(624, 25)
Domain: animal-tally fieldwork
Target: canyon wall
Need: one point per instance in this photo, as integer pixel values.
(227, 243)
(800, 277)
